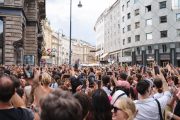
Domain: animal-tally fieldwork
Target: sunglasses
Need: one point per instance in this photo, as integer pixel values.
(115, 109)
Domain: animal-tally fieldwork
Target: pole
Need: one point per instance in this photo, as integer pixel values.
(58, 50)
(70, 52)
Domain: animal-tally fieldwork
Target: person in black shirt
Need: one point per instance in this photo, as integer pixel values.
(7, 111)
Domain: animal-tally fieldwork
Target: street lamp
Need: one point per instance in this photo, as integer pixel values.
(70, 51)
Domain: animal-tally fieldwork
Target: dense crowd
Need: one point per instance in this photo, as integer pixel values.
(90, 93)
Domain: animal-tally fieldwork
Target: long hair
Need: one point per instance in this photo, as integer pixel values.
(101, 106)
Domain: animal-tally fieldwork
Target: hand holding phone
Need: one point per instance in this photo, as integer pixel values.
(156, 70)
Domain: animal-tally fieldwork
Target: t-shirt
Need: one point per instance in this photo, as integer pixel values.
(148, 108)
(16, 114)
(158, 95)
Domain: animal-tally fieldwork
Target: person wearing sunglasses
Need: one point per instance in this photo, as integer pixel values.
(123, 109)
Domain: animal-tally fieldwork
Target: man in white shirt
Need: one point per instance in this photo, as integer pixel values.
(146, 106)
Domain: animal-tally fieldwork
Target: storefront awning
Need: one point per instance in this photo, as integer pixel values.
(104, 55)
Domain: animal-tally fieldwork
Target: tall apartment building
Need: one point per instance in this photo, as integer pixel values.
(20, 31)
(99, 29)
(149, 31)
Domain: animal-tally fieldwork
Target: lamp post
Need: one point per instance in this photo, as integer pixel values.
(70, 51)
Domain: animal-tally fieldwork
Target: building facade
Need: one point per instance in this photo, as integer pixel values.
(48, 50)
(149, 31)
(20, 31)
(55, 48)
(81, 51)
(99, 29)
(64, 50)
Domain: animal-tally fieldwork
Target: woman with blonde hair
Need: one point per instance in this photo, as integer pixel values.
(46, 80)
(123, 109)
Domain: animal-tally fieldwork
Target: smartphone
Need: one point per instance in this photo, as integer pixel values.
(144, 69)
(156, 70)
(66, 76)
(109, 73)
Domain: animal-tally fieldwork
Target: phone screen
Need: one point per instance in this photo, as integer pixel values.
(156, 70)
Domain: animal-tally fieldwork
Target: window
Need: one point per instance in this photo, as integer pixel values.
(128, 3)
(148, 36)
(163, 33)
(137, 25)
(149, 22)
(123, 19)
(162, 5)
(149, 49)
(164, 47)
(178, 32)
(175, 4)
(123, 30)
(129, 39)
(129, 28)
(123, 8)
(128, 15)
(163, 19)
(138, 51)
(148, 8)
(123, 41)
(135, 1)
(137, 38)
(1, 41)
(178, 17)
(136, 12)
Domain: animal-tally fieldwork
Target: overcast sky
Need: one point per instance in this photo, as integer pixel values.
(83, 19)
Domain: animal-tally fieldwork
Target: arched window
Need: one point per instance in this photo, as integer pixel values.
(1, 41)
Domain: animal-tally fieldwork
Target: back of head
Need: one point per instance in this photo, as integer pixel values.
(7, 88)
(158, 83)
(101, 105)
(142, 87)
(46, 79)
(123, 76)
(84, 101)
(139, 76)
(60, 105)
(105, 80)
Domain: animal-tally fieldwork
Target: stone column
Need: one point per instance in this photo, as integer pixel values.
(173, 55)
(144, 56)
(156, 54)
(133, 57)
(30, 43)
(13, 32)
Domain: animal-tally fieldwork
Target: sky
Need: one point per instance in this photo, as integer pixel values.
(83, 19)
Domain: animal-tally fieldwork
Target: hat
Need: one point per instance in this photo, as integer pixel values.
(123, 84)
(117, 95)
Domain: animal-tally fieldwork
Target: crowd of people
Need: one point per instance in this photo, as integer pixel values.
(90, 93)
